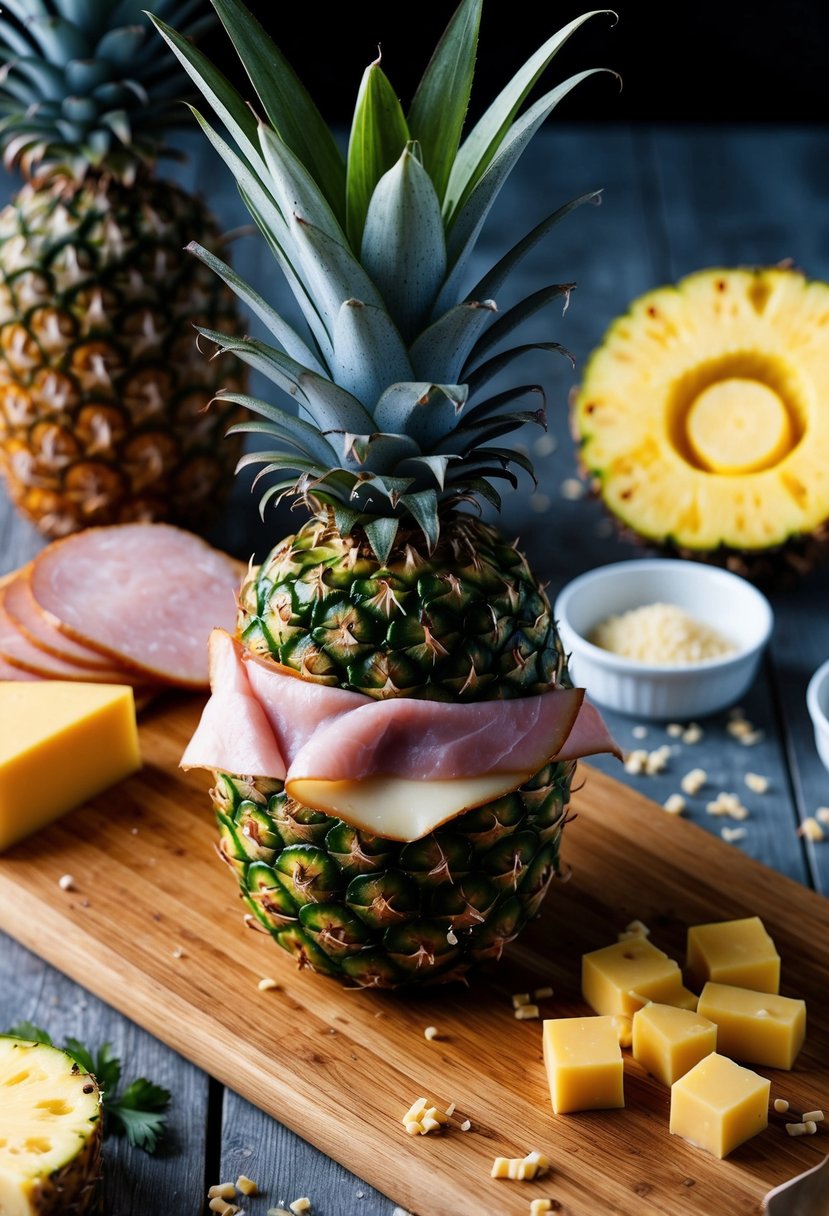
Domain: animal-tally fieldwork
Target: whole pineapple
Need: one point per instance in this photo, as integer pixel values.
(103, 393)
(391, 589)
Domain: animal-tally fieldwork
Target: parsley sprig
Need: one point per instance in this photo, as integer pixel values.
(137, 1111)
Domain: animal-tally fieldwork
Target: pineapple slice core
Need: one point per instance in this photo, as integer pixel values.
(47, 1120)
(739, 426)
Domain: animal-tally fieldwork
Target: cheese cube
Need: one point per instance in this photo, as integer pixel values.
(756, 1027)
(584, 1063)
(736, 952)
(60, 744)
(718, 1104)
(621, 978)
(667, 1041)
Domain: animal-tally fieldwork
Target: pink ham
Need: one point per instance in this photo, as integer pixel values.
(29, 618)
(257, 709)
(19, 653)
(145, 595)
(8, 672)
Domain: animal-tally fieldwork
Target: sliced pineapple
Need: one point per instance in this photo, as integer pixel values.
(50, 1132)
(704, 413)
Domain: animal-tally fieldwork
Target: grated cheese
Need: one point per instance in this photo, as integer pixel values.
(661, 634)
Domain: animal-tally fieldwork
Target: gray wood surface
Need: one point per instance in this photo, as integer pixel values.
(675, 200)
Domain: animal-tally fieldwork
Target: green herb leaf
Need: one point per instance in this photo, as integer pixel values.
(139, 1113)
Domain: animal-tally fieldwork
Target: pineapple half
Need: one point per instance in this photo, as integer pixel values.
(392, 588)
(703, 418)
(102, 394)
(50, 1132)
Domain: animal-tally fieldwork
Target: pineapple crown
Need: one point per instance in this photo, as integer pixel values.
(82, 85)
(390, 372)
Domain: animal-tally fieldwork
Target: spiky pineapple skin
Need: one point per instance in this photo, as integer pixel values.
(468, 622)
(103, 392)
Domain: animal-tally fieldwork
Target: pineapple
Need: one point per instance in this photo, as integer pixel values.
(103, 393)
(50, 1132)
(392, 588)
(703, 417)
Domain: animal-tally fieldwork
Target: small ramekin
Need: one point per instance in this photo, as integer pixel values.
(681, 692)
(817, 703)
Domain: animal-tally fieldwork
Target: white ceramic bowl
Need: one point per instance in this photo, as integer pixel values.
(679, 692)
(817, 702)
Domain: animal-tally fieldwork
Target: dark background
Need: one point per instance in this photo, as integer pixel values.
(679, 62)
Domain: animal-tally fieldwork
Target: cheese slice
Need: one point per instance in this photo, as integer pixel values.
(60, 744)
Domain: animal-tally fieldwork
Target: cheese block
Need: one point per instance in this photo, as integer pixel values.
(738, 952)
(718, 1105)
(667, 1041)
(624, 976)
(60, 744)
(584, 1064)
(756, 1027)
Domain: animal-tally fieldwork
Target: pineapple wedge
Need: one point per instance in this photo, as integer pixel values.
(50, 1132)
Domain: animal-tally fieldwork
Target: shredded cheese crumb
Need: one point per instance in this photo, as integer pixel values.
(450, 1110)
(300, 1205)
(636, 760)
(806, 1128)
(178, 952)
(223, 1190)
(543, 994)
(519, 999)
(520, 1169)
(660, 634)
(657, 760)
(757, 783)
(781, 1105)
(822, 815)
(246, 1186)
(66, 882)
(674, 804)
(640, 732)
(692, 734)
(431, 1032)
(466, 1125)
(811, 830)
(266, 984)
(732, 835)
(540, 1207)
(693, 781)
(523, 1012)
(223, 1208)
(727, 804)
(812, 1116)
(675, 729)
(421, 1118)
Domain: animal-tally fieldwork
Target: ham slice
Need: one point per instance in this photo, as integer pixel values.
(31, 621)
(397, 767)
(8, 672)
(144, 595)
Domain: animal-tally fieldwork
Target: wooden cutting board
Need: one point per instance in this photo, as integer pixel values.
(155, 928)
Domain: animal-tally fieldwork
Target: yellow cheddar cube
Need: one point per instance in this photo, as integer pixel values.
(668, 1041)
(584, 1064)
(718, 1105)
(756, 1027)
(60, 744)
(736, 952)
(623, 977)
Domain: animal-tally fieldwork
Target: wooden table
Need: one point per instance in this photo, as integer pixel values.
(675, 200)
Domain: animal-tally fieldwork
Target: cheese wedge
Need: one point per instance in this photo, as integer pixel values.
(60, 744)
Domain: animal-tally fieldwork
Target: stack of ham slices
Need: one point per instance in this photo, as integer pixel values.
(127, 604)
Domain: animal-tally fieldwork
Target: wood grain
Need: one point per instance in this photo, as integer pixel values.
(154, 928)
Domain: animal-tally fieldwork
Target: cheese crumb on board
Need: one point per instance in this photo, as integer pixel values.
(811, 830)
(421, 1118)
(266, 984)
(540, 1207)
(62, 743)
(519, 999)
(524, 1012)
(781, 1106)
(222, 1190)
(757, 783)
(300, 1205)
(693, 781)
(520, 1169)
(431, 1032)
(806, 1128)
(660, 634)
(674, 804)
(66, 882)
(246, 1186)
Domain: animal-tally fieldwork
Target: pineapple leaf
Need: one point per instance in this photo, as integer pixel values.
(104, 1066)
(438, 110)
(379, 454)
(494, 278)
(292, 343)
(217, 90)
(288, 107)
(434, 467)
(403, 246)
(467, 220)
(368, 352)
(441, 350)
(286, 427)
(378, 135)
(497, 363)
(332, 272)
(380, 533)
(508, 321)
(492, 405)
(478, 487)
(420, 409)
(482, 143)
(293, 187)
(423, 507)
